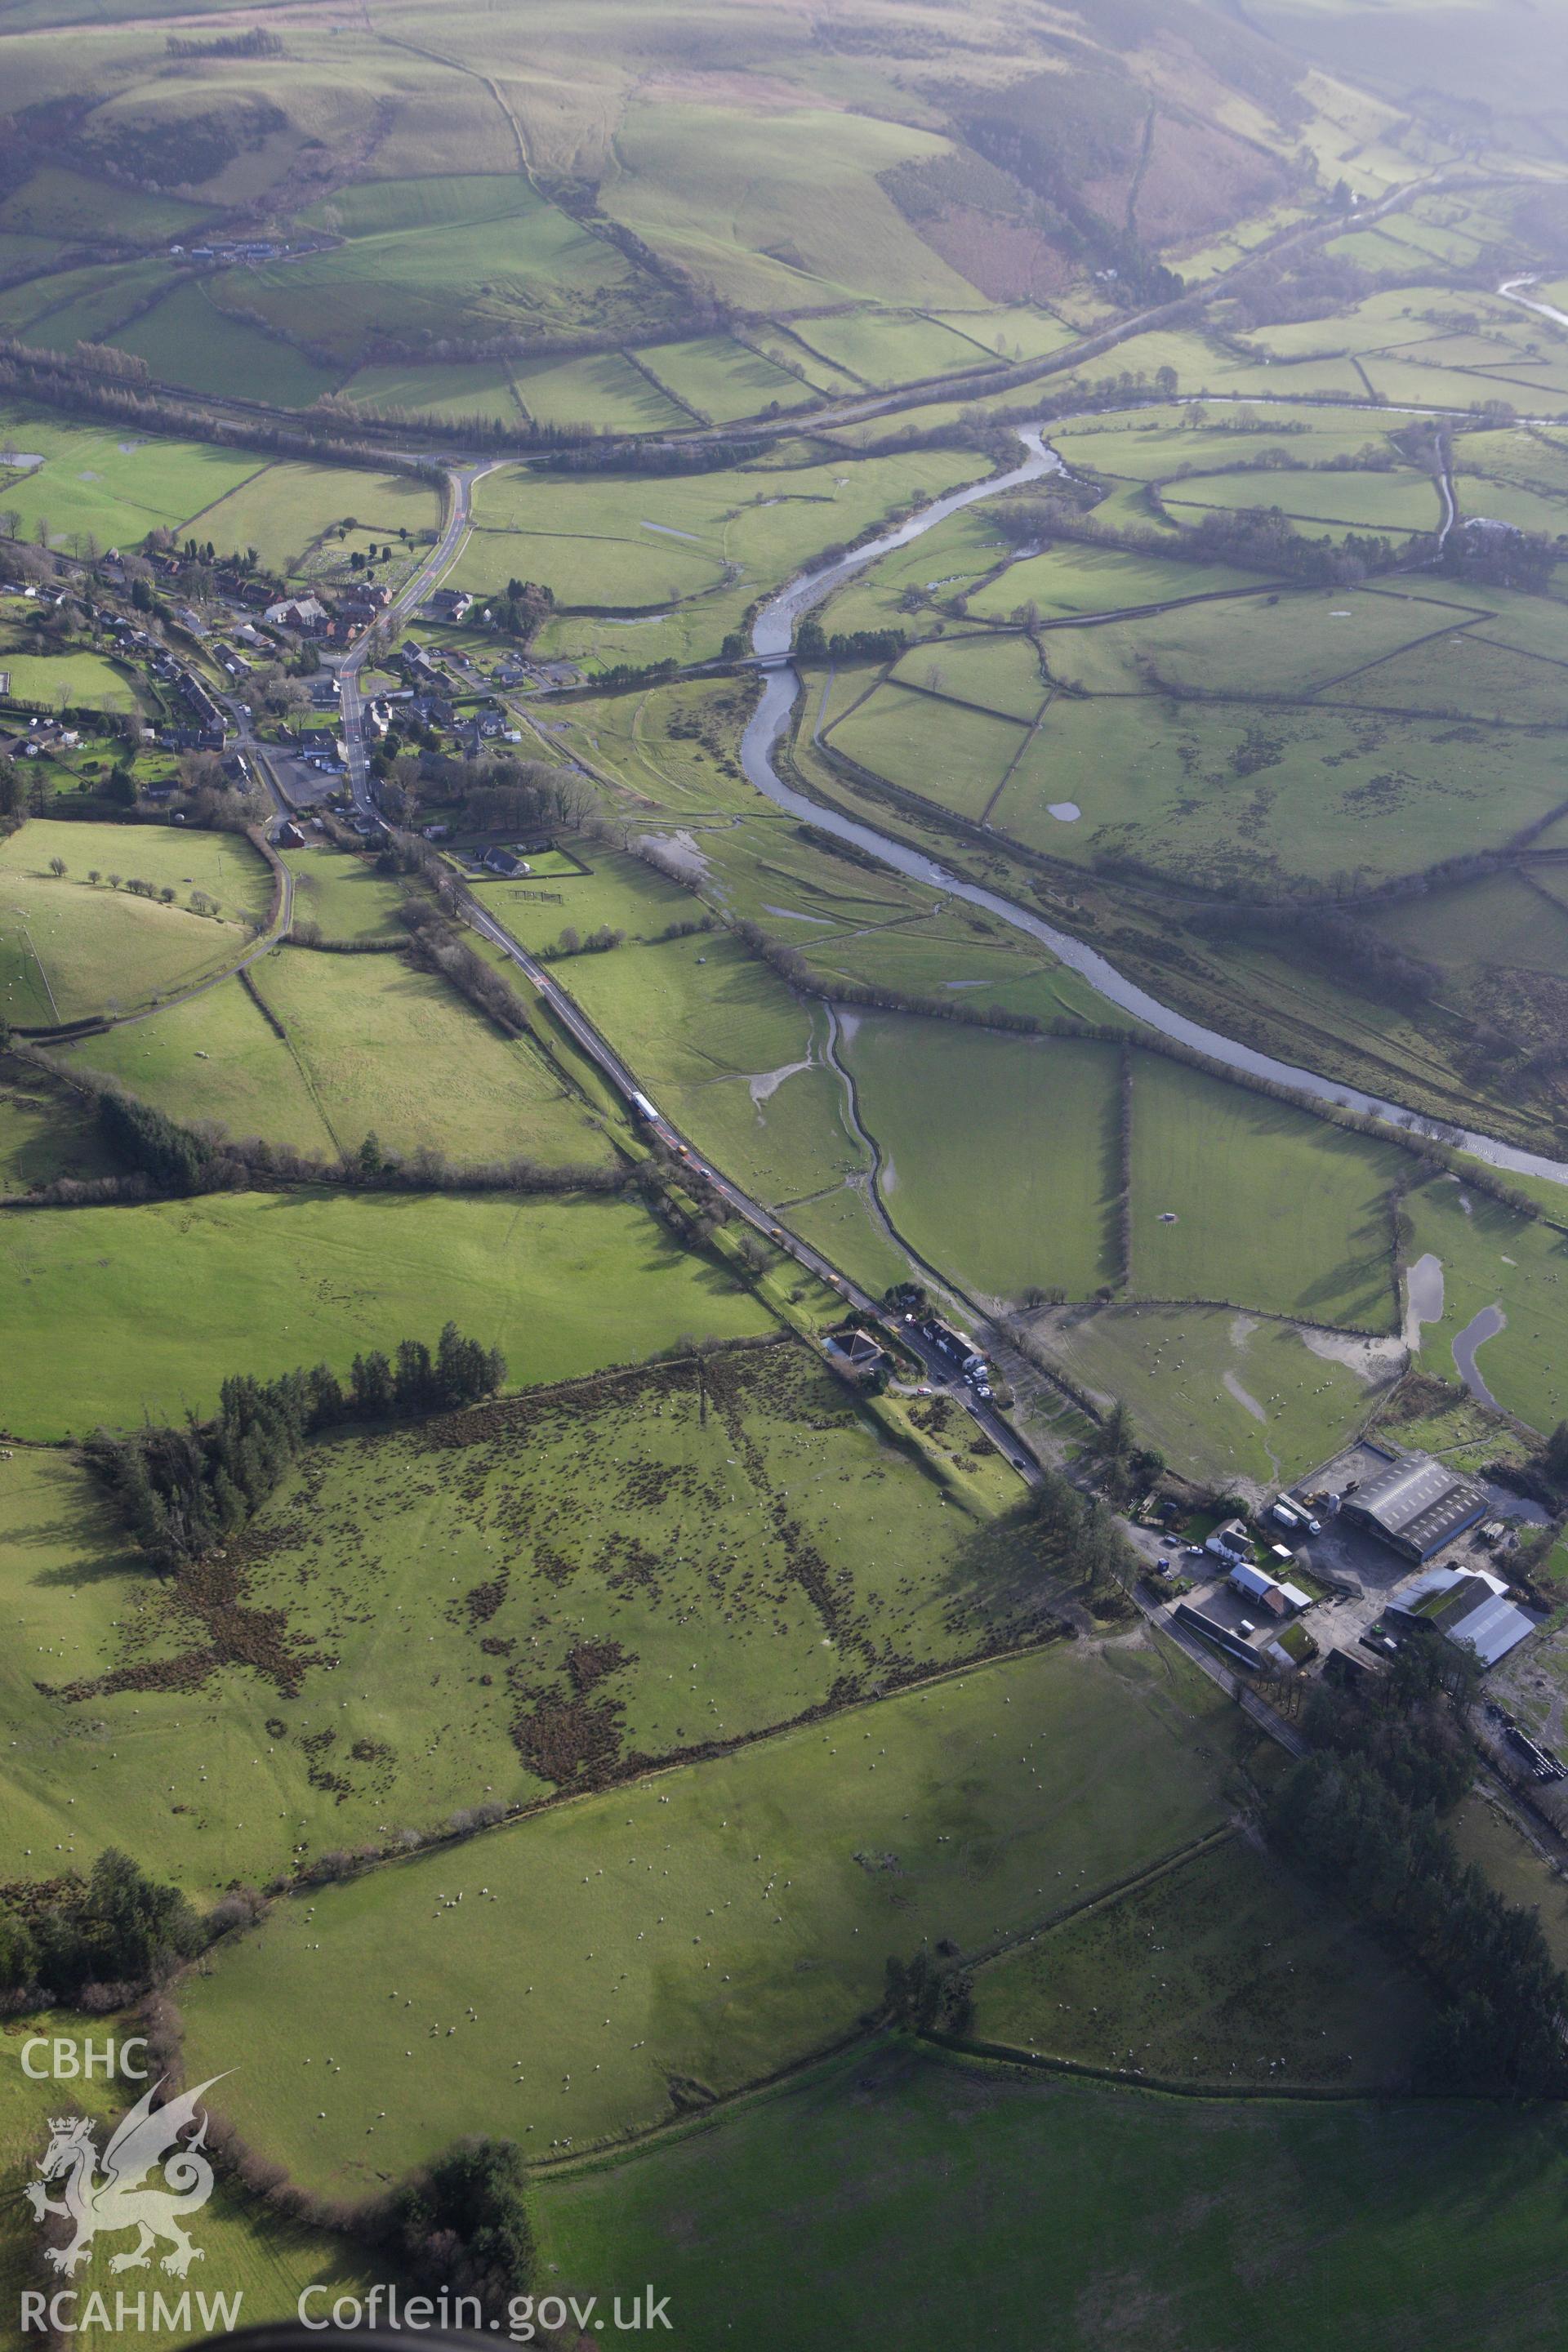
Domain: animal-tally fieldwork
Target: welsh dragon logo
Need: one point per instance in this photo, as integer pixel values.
(114, 2198)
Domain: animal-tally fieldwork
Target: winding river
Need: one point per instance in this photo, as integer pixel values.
(772, 635)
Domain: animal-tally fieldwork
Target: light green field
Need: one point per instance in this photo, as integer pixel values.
(397, 1052)
(722, 379)
(462, 388)
(728, 1052)
(779, 209)
(266, 1283)
(214, 1058)
(600, 540)
(93, 683)
(59, 203)
(1070, 579)
(224, 864)
(941, 564)
(115, 484)
(954, 757)
(1223, 1163)
(991, 1790)
(188, 339)
(1215, 1973)
(469, 256)
(253, 2256)
(1363, 502)
(45, 1131)
(1086, 2202)
(69, 948)
(1490, 1257)
(1272, 792)
(53, 314)
(1002, 673)
(1012, 1183)
(832, 1560)
(343, 894)
(284, 510)
(1468, 675)
(601, 390)
(886, 347)
(1222, 1395)
(1291, 643)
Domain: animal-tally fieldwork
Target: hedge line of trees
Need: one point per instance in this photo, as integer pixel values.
(97, 1941)
(180, 1491)
(1363, 1813)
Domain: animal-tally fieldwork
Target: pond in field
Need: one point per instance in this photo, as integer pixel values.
(1477, 1331)
(1423, 1297)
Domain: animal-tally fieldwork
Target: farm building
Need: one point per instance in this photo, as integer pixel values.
(1279, 1599)
(1416, 1506)
(1470, 1606)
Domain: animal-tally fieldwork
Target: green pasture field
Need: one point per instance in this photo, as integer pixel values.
(116, 484)
(343, 894)
(59, 203)
(1291, 643)
(1533, 460)
(1215, 1972)
(728, 1054)
(1011, 331)
(70, 949)
(252, 2255)
(722, 379)
(474, 256)
(1081, 2202)
(188, 339)
(1223, 791)
(620, 890)
(93, 683)
(1486, 1836)
(890, 347)
(527, 1586)
(1013, 1182)
(1161, 443)
(1001, 673)
(45, 1131)
(1069, 580)
(282, 511)
(1223, 1162)
(781, 343)
(1469, 675)
(213, 1057)
(842, 1224)
(778, 209)
(224, 865)
(601, 389)
(975, 1806)
(84, 305)
(1490, 1257)
(1352, 501)
(458, 389)
(941, 565)
(936, 960)
(616, 542)
(389, 1050)
(268, 1282)
(954, 757)
(1222, 1394)
(1527, 509)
